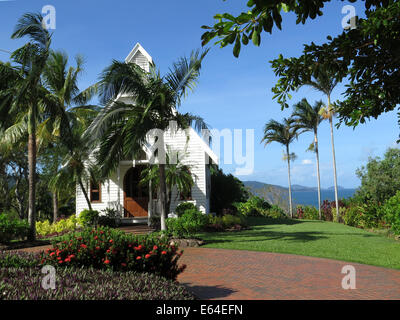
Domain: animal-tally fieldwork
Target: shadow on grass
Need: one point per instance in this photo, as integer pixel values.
(209, 292)
(257, 236)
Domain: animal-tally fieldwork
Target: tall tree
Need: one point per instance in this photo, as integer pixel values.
(122, 128)
(308, 118)
(62, 133)
(24, 95)
(284, 133)
(297, 72)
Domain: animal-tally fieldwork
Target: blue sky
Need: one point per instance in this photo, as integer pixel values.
(232, 93)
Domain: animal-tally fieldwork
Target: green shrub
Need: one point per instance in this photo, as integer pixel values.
(342, 212)
(106, 248)
(371, 215)
(275, 212)
(183, 206)
(353, 216)
(88, 218)
(226, 221)
(45, 228)
(12, 229)
(254, 207)
(307, 212)
(190, 222)
(109, 218)
(391, 212)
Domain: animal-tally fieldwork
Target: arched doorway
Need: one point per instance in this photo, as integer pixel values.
(136, 197)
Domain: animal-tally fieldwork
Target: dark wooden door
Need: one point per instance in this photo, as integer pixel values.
(136, 197)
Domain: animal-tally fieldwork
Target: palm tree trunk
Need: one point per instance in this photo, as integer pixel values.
(32, 174)
(334, 160)
(163, 196)
(290, 184)
(55, 206)
(85, 194)
(318, 175)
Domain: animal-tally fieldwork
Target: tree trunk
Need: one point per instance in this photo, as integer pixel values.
(318, 175)
(85, 194)
(290, 184)
(334, 159)
(32, 175)
(334, 171)
(55, 206)
(163, 196)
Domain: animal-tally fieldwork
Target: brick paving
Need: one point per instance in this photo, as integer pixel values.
(249, 275)
(243, 275)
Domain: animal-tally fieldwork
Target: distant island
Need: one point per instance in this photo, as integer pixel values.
(302, 195)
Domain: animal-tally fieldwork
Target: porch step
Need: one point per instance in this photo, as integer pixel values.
(134, 221)
(137, 229)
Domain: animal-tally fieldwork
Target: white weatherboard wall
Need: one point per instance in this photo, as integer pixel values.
(189, 144)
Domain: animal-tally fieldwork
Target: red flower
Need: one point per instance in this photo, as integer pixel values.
(111, 241)
(163, 252)
(97, 248)
(138, 257)
(52, 254)
(67, 260)
(60, 261)
(123, 264)
(147, 256)
(155, 248)
(108, 251)
(83, 246)
(107, 261)
(96, 237)
(71, 256)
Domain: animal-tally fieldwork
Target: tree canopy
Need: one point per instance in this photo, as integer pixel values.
(368, 56)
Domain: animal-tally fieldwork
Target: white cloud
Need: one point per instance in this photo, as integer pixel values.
(306, 161)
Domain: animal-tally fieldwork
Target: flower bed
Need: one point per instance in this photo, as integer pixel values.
(21, 279)
(24, 283)
(106, 248)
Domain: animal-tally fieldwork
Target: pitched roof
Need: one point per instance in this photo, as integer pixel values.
(138, 48)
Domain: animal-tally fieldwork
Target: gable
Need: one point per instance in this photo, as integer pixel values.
(139, 56)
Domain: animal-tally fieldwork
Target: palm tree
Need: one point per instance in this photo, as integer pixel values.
(23, 95)
(58, 135)
(325, 81)
(61, 85)
(283, 133)
(122, 127)
(177, 175)
(308, 118)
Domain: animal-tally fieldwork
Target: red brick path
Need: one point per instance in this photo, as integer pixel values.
(236, 274)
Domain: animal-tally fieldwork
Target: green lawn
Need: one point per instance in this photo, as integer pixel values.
(311, 238)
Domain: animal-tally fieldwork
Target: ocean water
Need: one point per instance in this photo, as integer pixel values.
(310, 198)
